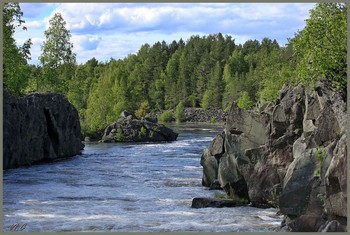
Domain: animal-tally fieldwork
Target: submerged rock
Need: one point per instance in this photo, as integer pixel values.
(39, 127)
(203, 202)
(130, 129)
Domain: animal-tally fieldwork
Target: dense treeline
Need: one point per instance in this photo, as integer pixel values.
(209, 72)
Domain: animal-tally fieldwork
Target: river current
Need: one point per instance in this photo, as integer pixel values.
(125, 188)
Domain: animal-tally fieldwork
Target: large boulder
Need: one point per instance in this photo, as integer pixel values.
(39, 127)
(130, 129)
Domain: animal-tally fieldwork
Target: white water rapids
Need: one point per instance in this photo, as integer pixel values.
(126, 188)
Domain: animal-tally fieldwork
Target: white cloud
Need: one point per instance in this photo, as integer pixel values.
(34, 24)
(116, 29)
(85, 42)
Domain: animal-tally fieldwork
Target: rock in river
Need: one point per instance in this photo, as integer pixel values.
(203, 202)
(39, 127)
(130, 129)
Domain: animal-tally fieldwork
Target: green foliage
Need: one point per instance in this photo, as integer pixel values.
(16, 71)
(57, 57)
(244, 102)
(119, 136)
(322, 197)
(143, 132)
(317, 172)
(166, 116)
(213, 120)
(320, 154)
(99, 111)
(143, 109)
(235, 198)
(322, 45)
(180, 112)
(222, 195)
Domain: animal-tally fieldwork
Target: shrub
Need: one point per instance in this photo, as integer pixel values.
(166, 116)
(244, 102)
(180, 112)
(143, 132)
(119, 135)
(320, 154)
(143, 109)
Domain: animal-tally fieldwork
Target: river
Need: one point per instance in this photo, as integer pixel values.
(125, 188)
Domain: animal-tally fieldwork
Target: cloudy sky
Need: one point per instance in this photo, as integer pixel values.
(114, 30)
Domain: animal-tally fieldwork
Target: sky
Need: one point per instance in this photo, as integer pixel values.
(115, 30)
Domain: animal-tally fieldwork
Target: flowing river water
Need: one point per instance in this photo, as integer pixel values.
(125, 188)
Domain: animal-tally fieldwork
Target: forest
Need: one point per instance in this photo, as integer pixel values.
(208, 72)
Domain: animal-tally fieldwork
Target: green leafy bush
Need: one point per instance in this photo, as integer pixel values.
(244, 102)
(143, 132)
(180, 112)
(143, 109)
(119, 135)
(320, 154)
(213, 120)
(166, 116)
(322, 45)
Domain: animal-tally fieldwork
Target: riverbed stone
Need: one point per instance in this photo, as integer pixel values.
(214, 202)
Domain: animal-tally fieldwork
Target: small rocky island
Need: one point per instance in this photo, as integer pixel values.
(128, 128)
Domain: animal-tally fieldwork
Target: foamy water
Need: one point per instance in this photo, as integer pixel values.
(126, 188)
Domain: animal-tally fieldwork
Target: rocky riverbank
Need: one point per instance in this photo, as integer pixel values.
(198, 115)
(39, 127)
(291, 155)
(201, 115)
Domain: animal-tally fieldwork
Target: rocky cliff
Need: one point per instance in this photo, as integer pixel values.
(39, 127)
(291, 155)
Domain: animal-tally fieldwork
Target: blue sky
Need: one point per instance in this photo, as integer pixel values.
(114, 30)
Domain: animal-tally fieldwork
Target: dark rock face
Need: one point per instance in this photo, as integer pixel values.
(291, 155)
(130, 129)
(200, 202)
(39, 127)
